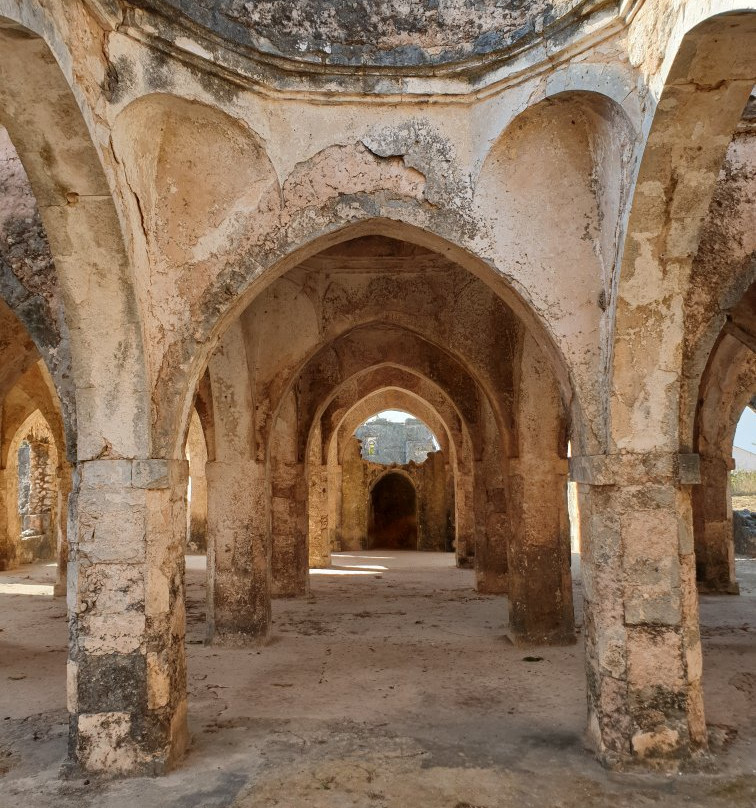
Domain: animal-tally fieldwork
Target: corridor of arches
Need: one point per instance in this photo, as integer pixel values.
(213, 274)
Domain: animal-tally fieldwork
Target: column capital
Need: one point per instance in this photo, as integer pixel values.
(628, 468)
(152, 473)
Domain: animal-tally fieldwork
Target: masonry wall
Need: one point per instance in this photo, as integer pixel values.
(435, 503)
(500, 210)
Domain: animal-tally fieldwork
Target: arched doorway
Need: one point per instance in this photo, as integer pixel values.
(392, 524)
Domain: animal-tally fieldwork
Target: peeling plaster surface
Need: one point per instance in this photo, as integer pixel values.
(227, 227)
(395, 33)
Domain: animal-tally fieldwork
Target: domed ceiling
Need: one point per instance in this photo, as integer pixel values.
(377, 33)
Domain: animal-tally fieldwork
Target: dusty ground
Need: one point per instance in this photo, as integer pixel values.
(744, 502)
(393, 685)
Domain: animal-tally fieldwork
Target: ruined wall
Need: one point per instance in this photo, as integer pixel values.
(37, 499)
(546, 169)
(384, 441)
(33, 522)
(432, 482)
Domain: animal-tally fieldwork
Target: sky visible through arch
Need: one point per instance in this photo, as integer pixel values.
(393, 415)
(399, 417)
(745, 434)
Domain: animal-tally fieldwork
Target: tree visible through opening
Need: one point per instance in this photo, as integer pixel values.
(393, 514)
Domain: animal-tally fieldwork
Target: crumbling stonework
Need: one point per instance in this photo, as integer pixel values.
(385, 441)
(429, 522)
(744, 533)
(37, 498)
(232, 232)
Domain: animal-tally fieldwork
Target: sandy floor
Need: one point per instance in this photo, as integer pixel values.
(393, 685)
(745, 502)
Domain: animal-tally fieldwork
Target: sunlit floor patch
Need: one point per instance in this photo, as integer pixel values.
(369, 557)
(345, 571)
(26, 589)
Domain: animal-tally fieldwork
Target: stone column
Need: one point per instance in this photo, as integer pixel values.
(464, 519)
(494, 532)
(431, 483)
(238, 552)
(643, 650)
(334, 508)
(289, 560)
(712, 527)
(319, 540)
(5, 542)
(354, 500)
(64, 489)
(126, 667)
(540, 581)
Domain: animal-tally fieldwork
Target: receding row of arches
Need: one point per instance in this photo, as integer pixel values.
(289, 355)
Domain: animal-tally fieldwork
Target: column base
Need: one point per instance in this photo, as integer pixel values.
(465, 562)
(553, 637)
(491, 583)
(708, 588)
(236, 639)
(110, 745)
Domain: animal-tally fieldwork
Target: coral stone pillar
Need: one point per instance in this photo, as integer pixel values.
(238, 552)
(289, 561)
(319, 539)
(494, 530)
(126, 667)
(64, 490)
(540, 581)
(335, 480)
(712, 526)
(643, 650)
(5, 542)
(464, 519)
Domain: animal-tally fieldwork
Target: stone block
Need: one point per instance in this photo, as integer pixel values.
(151, 473)
(611, 652)
(115, 474)
(654, 659)
(689, 469)
(644, 608)
(659, 743)
(744, 533)
(112, 682)
(158, 681)
(112, 588)
(111, 633)
(104, 743)
(110, 528)
(649, 534)
(72, 686)
(694, 659)
(157, 592)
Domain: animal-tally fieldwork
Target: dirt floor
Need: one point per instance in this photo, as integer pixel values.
(744, 502)
(393, 685)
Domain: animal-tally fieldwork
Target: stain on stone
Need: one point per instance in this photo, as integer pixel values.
(112, 683)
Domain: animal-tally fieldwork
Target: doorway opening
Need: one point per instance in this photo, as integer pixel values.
(392, 524)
